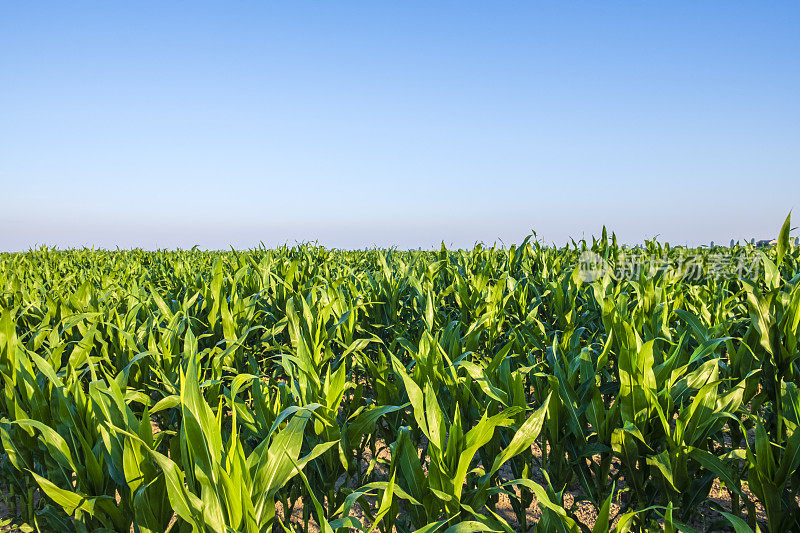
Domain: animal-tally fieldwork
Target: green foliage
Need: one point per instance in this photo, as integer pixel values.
(270, 390)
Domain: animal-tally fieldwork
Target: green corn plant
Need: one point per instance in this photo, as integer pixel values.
(214, 485)
(452, 451)
(773, 470)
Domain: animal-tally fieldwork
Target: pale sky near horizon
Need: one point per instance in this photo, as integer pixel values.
(407, 123)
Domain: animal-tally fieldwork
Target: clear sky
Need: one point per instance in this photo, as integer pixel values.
(354, 124)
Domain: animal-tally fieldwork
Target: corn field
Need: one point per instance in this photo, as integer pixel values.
(308, 389)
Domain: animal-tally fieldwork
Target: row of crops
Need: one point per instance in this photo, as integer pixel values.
(306, 389)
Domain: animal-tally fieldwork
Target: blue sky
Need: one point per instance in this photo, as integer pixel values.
(396, 123)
